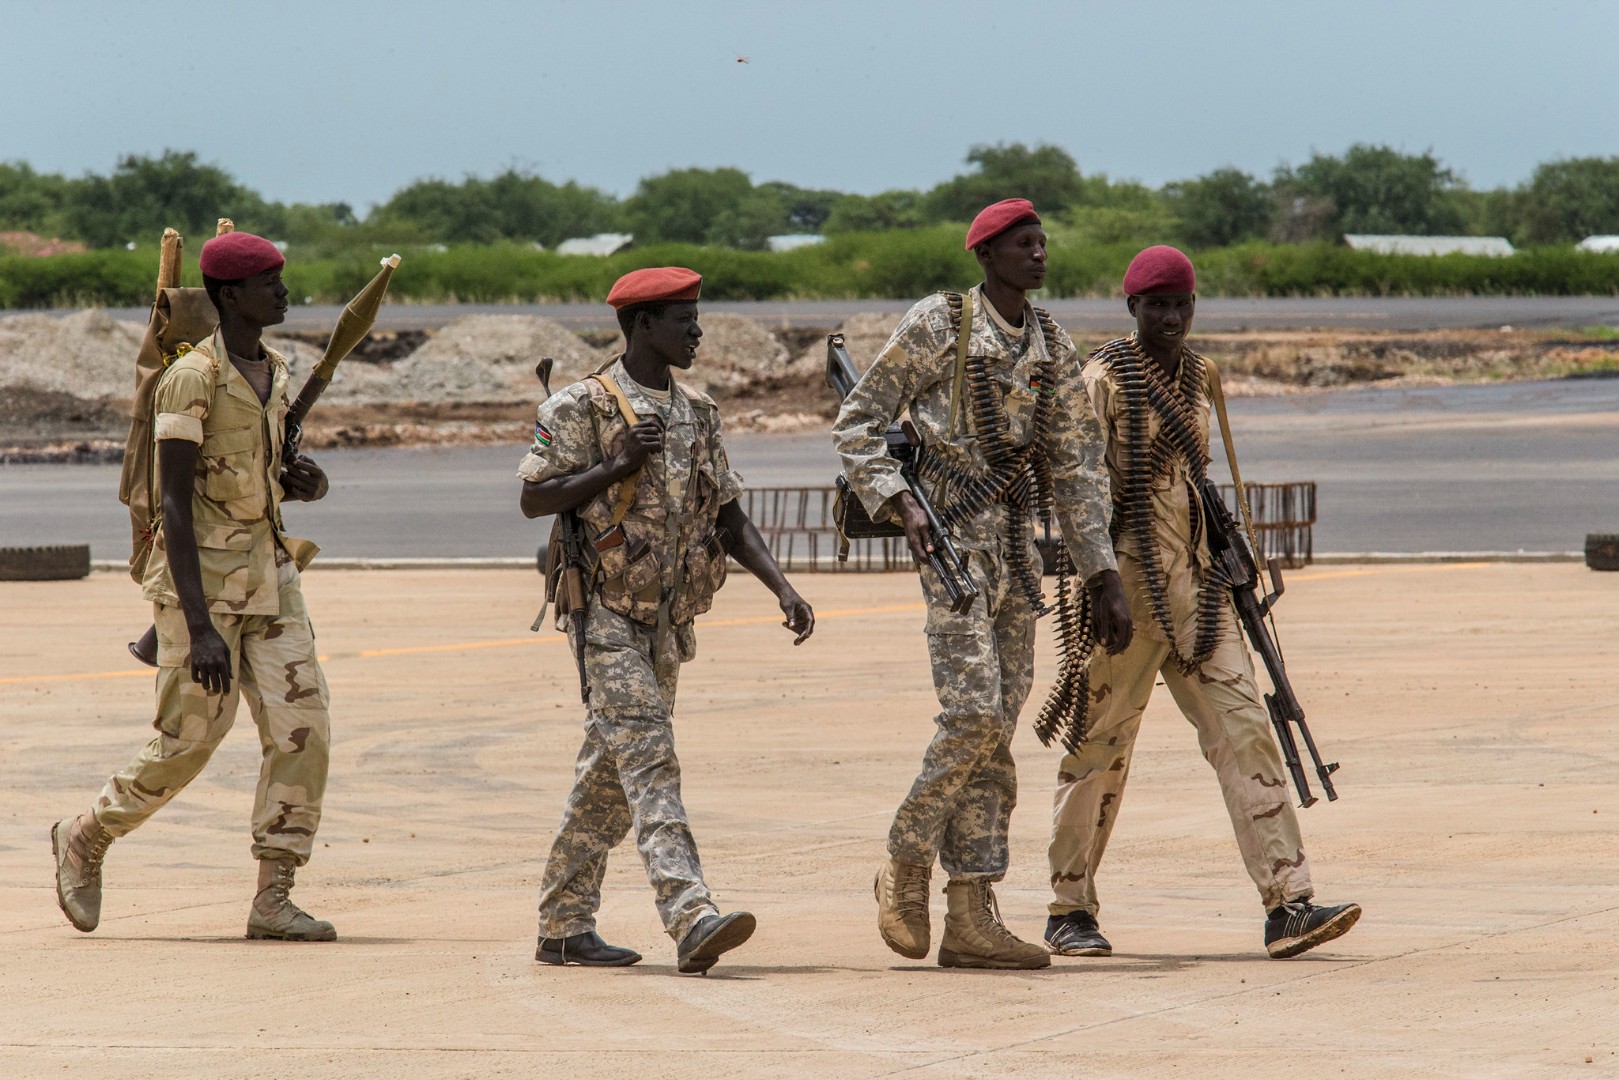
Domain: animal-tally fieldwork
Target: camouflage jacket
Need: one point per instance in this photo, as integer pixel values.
(915, 372)
(669, 552)
(236, 492)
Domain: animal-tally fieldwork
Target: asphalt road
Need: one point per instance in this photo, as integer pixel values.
(1083, 316)
(1518, 466)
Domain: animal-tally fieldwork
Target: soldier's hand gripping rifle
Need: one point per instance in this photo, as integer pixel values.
(1236, 565)
(565, 567)
(903, 446)
(358, 316)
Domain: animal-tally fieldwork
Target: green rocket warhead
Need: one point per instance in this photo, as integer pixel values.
(359, 315)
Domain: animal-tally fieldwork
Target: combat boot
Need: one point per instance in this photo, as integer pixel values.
(79, 851)
(902, 907)
(274, 915)
(975, 937)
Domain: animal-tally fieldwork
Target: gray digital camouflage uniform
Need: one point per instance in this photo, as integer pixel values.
(1219, 698)
(959, 807)
(627, 776)
(250, 577)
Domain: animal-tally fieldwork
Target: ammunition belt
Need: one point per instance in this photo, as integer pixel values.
(1018, 476)
(1143, 392)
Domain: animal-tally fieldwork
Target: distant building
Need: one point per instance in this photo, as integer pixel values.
(790, 241)
(1429, 245)
(605, 243)
(1605, 245)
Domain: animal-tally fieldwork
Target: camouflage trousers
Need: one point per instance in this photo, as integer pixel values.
(275, 669)
(626, 777)
(1222, 702)
(960, 806)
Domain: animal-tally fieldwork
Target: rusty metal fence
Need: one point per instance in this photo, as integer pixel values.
(797, 524)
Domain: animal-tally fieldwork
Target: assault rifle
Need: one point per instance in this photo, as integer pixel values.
(565, 567)
(1236, 564)
(904, 444)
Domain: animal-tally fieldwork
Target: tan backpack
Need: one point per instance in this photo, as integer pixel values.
(180, 319)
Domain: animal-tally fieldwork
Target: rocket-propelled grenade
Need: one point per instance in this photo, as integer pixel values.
(359, 315)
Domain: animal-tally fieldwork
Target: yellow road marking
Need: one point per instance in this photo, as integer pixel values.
(504, 643)
(840, 613)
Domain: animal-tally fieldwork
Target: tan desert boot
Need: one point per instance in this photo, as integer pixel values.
(274, 915)
(902, 907)
(79, 845)
(975, 937)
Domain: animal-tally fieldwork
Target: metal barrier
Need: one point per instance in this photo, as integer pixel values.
(796, 522)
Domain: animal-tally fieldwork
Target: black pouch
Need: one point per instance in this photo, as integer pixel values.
(851, 519)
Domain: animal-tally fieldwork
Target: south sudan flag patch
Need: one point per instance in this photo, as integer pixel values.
(542, 435)
(1040, 387)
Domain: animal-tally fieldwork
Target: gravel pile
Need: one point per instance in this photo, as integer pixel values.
(88, 354)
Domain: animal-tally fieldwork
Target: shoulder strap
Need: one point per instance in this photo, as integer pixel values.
(626, 493)
(1217, 396)
(963, 336)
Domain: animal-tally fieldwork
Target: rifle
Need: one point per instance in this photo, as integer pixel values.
(904, 445)
(1235, 564)
(568, 534)
(356, 320)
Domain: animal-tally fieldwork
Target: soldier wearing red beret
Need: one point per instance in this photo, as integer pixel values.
(224, 581)
(1151, 393)
(991, 385)
(639, 459)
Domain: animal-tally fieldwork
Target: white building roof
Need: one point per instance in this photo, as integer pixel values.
(601, 244)
(788, 241)
(1606, 244)
(1429, 245)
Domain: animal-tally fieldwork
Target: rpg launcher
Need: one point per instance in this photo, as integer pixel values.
(904, 445)
(1236, 566)
(565, 568)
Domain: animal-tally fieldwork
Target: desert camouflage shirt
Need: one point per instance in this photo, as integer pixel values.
(236, 492)
(915, 372)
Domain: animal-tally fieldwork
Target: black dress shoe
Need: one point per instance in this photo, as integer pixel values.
(713, 934)
(586, 950)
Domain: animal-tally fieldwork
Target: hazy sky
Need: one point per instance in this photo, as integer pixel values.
(344, 100)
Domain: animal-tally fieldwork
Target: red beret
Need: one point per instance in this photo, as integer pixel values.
(237, 255)
(1160, 269)
(655, 284)
(994, 220)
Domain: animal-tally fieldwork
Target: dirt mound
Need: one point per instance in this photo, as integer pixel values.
(88, 354)
(864, 336)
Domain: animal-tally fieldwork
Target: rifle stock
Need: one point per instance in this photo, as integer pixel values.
(1236, 564)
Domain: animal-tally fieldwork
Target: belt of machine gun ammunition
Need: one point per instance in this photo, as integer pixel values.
(1018, 475)
(1143, 392)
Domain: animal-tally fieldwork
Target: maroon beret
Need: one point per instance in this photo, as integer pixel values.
(1160, 269)
(655, 284)
(997, 218)
(237, 255)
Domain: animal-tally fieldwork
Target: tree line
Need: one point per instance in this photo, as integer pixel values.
(1366, 189)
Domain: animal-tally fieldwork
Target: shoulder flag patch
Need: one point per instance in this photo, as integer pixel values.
(542, 435)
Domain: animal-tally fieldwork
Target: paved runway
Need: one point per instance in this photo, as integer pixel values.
(1081, 316)
(1530, 466)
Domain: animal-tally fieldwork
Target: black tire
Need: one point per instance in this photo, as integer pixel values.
(58, 562)
(1602, 551)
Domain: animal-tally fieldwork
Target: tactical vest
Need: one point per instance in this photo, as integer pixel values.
(649, 553)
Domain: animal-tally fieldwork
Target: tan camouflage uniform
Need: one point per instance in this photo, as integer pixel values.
(1219, 698)
(250, 577)
(627, 775)
(960, 805)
